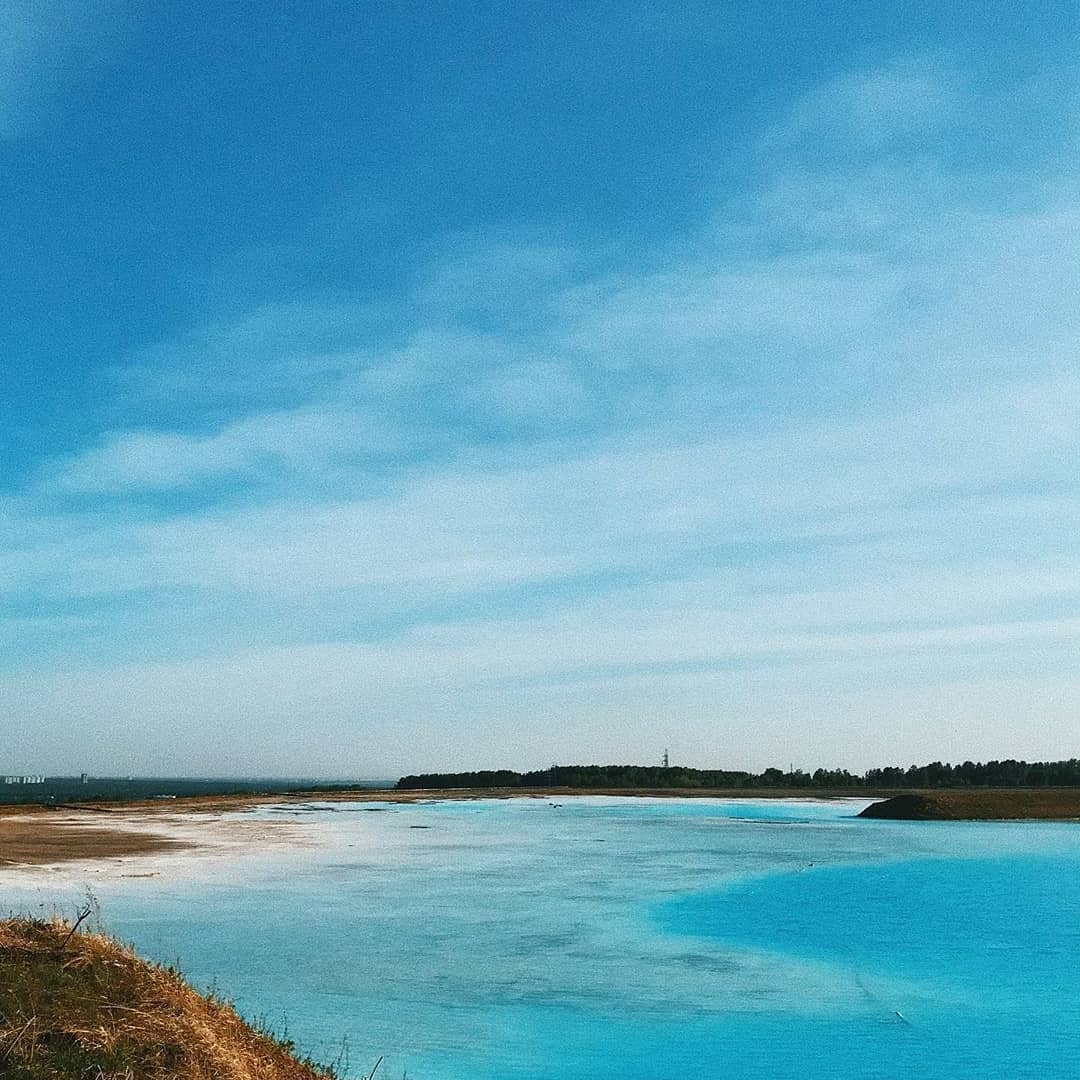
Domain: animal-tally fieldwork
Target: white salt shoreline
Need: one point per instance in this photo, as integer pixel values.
(229, 843)
(207, 842)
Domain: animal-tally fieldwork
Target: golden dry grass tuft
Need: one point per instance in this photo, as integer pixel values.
(88, 1007)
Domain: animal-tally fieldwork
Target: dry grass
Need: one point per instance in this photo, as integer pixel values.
(90, 1008)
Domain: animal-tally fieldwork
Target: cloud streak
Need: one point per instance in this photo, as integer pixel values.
(824, 448)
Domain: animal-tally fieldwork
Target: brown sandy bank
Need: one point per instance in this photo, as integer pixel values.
(45, 836)
(38, 839)
(1046, 804)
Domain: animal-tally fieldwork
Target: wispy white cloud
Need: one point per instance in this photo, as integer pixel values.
(276, 356)
(509, 279)
(875, 107)
(707, 313)
(273, 444)
(937, 478)
(826, 447)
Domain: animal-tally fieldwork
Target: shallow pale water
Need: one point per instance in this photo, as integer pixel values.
(626, 938)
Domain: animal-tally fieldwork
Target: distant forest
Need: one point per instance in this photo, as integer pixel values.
(57, 790)
(935, 775)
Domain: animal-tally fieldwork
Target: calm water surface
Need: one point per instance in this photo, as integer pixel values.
(619, 938)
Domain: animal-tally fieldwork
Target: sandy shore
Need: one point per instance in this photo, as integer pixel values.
(133, 837)
(51, 836)
(45, 839)
(35, 836)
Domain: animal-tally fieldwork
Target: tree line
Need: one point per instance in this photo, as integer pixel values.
(937, 774)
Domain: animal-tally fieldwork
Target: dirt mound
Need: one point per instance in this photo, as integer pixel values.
(906, 808)
(1047, 804)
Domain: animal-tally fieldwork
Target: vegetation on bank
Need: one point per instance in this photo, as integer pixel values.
(76, 1005)
(1046, 774)
(55, 790)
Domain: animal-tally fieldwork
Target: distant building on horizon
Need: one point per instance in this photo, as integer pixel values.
(24, 779)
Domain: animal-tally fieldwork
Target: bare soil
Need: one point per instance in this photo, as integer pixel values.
(36, 838)
(994, 804)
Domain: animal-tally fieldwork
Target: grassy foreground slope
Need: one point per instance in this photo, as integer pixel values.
(88, 1007)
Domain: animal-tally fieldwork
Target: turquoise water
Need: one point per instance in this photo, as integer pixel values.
(626, 938)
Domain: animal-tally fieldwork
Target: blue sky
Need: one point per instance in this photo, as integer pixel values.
(500, 384)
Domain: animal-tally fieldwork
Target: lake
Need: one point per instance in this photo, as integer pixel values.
(620, 937)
